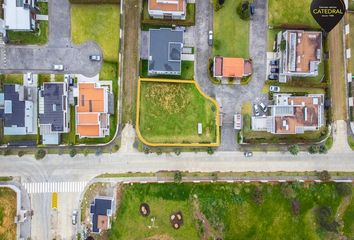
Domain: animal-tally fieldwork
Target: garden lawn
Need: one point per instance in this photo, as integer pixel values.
(7, 214)
(231, 211)
(98, 23)
(187, 71)
(39, 36)
(170, 113)
(291, 13)
(231, 34)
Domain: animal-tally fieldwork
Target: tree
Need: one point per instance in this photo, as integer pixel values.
(72, 152)
(294, 149)
(313, 149)
(210, 150)
(40, 154)
(323, 149)
(344, 189)
(178, 177)
(21, 153)
(243, 10)
(257, 196)
(146, 150)
(177, 152)
(324, 176)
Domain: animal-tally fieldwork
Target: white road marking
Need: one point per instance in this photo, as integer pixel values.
(50, 187)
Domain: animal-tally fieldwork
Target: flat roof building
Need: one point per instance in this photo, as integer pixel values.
(19, 15)
(19, 116)
(167, 9)
(53, 109)
(292, 115)
(165, 50)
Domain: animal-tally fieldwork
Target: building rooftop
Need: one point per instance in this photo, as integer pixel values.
(232, 67)
(17, 15)
(165, 49)
(53, 106)
(167, 5)
(303, 51)
(101, 210)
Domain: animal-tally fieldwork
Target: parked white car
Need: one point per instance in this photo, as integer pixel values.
(58, 67)
(274, 89)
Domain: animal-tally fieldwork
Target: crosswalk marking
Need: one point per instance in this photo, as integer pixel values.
(50, 187)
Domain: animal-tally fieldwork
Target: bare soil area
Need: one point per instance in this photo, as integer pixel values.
(132, 10)
(7, 214)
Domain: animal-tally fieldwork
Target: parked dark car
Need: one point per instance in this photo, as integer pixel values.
(274, 70)
(274, 62)
(273, 77)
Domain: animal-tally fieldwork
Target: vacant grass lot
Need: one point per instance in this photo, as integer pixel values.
(39, 36)
(234, 211)
(98, 23)
(230, 32)
(291, 13)
(7, 214)
(170, 113)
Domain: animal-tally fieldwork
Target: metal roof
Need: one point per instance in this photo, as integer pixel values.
(165, 47)
(14, 108)
(101, 206)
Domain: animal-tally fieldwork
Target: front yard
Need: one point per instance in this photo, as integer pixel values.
(234, 211)
(170, 113)
(39, 36)
(291, 13)
(7, 214)
(231, 33)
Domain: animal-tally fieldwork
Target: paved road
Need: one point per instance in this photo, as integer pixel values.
(59, 49)
(232, 97)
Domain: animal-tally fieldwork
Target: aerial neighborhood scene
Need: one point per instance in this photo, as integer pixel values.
(176, 119)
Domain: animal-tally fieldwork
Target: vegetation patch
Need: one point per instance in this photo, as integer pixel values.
(39, 36)
(234, 211)
(231, 33)
(7, 213)
(291, 14)
(170, 113)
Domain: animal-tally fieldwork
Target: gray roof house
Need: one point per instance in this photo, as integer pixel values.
(53, 111)
(165, 49)
(18, 114)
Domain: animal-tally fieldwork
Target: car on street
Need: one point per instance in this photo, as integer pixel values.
(263, 107)
(210, 38)
(29, 78)
(274, 70)
(248, 154)
(274, 89)
(58, 67)
(96, 58)
(273, 77)
(256, 110)
(274, 62)
(74, 217)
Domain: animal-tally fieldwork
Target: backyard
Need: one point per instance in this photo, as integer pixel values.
(291, 13)
(7, 214)
(187, 71)
(170, 113)
(231, 33)
(235, 211)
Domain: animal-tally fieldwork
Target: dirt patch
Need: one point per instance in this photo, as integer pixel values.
(176, 220)
(160, 237)
(7, 213)
(337, 73)
(132, 9)
(144, 209)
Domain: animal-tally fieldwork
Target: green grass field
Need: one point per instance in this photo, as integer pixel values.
(39, 37)
(98, 23)
(170, 113)
(289, 13)
(231, 34)
(232, 210)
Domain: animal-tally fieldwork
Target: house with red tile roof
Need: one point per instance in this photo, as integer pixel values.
(93, 110)
(167, 9)
(227, 67)
(292, 114)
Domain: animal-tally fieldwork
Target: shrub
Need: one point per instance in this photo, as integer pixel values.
(98, 152)
(146, 150)
(86, 152)
(344, 189)
(159, 151)
(295, 206)
(323, 149)
(324, 219)
(40, 154)
(21, 153)
(288, 191)
(243, 10)
(294, 149)
(313, 149)
(178, 177)
(214, 176)
(72, 152)
(257, 196)
(324, 176)
(210, 150)
(218, 4)
(115, 148)
(177, 152)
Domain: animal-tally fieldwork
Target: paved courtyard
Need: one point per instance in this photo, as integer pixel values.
(58, 50)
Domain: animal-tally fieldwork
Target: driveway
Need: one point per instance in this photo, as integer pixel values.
(231, 97)
(58, 50)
